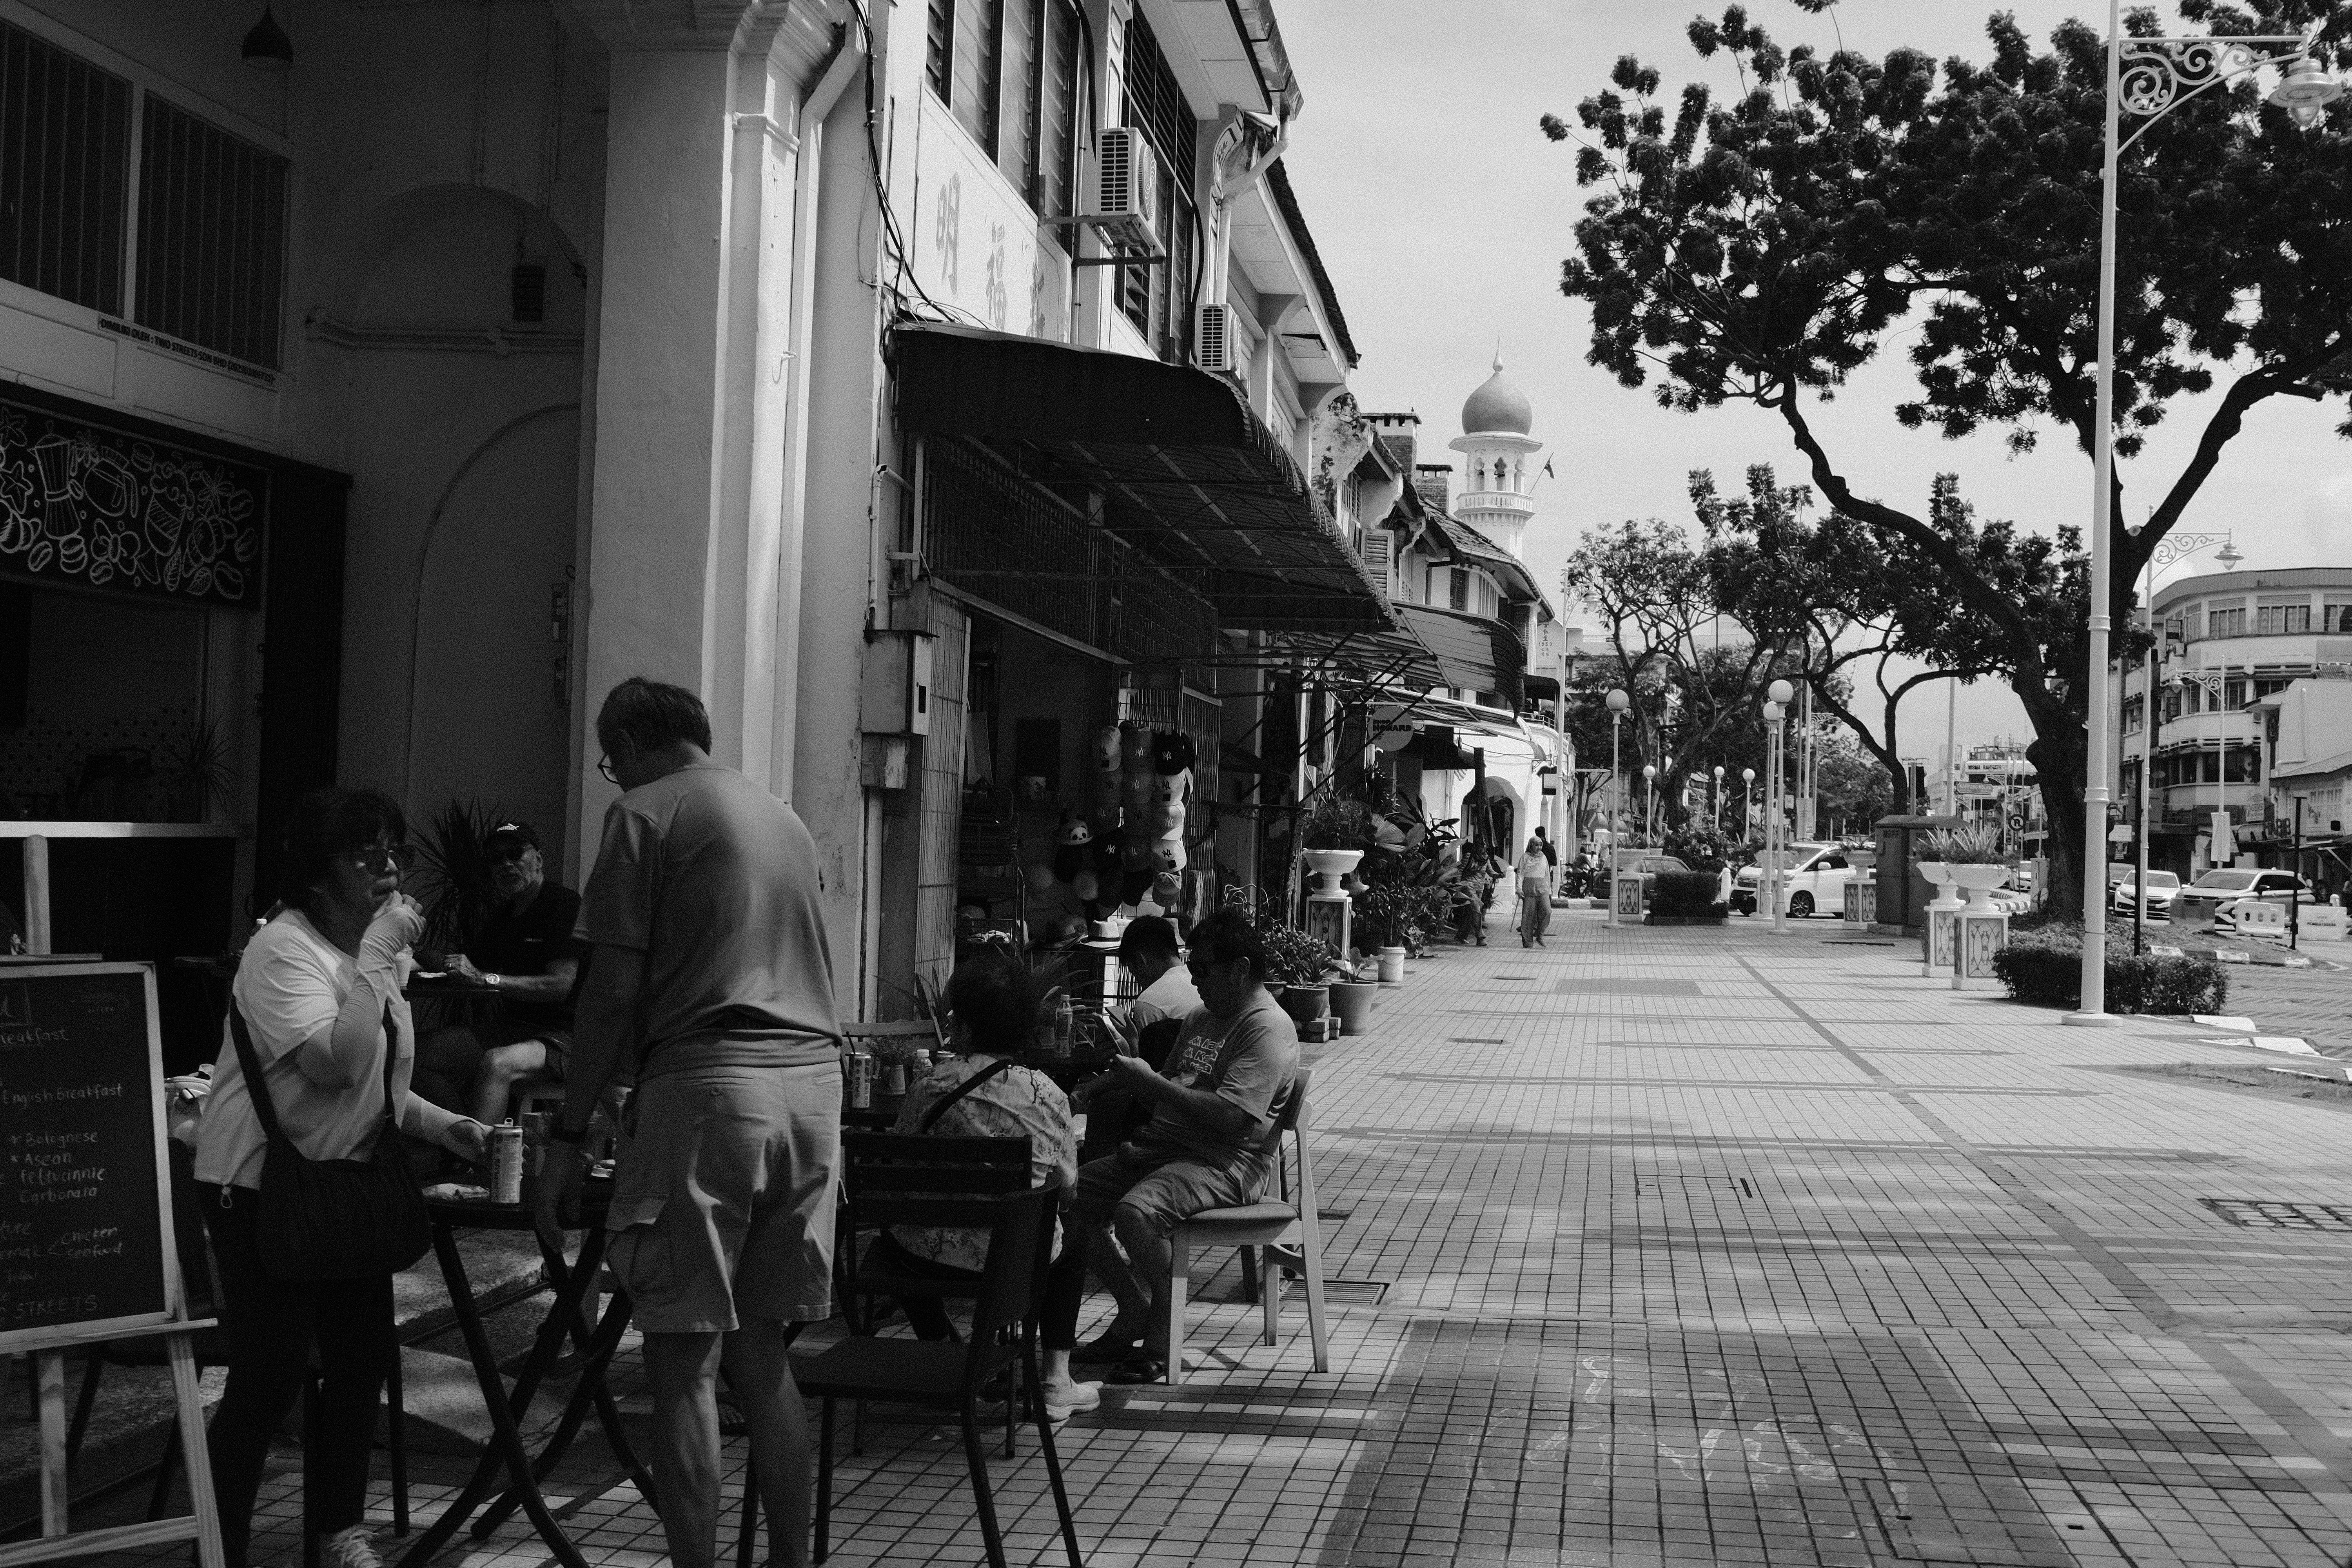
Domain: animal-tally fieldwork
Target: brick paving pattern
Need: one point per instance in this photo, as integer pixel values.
(1702, 1245)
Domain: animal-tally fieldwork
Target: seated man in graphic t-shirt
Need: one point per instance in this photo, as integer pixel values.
(1207, 1145)
(524, 947)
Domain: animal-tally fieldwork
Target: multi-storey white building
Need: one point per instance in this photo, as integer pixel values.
(2225, 642)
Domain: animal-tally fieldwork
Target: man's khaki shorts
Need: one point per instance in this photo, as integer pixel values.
(723, 1201)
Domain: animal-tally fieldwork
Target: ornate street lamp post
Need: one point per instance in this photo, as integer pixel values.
(1716, 800)
(1650, 802)
(1618, 703)
(2163, 74)
(1776, 708)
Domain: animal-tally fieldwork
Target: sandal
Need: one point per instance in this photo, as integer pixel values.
(1143, 1368)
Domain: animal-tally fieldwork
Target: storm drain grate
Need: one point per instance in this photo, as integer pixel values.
(2273, 1214)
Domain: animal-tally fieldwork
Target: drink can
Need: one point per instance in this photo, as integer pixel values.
(861, 1081)
(894, 1079)
(506, 1163)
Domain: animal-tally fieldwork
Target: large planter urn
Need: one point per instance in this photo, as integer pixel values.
(1976, 881)
(1330, 864)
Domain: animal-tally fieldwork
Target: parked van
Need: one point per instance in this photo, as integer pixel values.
(1816, 886)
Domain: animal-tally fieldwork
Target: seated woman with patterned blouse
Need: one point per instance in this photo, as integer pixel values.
(993, 1010)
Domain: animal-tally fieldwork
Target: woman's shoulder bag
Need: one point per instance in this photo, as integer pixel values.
(333, 1219)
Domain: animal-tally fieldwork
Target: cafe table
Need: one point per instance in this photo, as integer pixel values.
(592, 1353)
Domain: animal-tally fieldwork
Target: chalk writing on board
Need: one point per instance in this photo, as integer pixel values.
(98, 507)
(80, 1227)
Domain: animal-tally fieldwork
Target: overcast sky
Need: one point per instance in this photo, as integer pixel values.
(1443, 215)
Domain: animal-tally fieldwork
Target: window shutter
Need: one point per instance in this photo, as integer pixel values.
(1378, 552)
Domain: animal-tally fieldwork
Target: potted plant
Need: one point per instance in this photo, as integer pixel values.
(454, 871)
(1354, 989)
(1971, 859)
(1296, 964)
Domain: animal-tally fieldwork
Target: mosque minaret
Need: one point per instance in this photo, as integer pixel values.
(1501, 461)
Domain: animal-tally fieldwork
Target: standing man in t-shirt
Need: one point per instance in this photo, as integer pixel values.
(709, 971)
(1215, 1107)
(523, 950)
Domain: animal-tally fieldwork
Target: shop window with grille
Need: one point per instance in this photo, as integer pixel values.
(64, 164)
(212, 236)
(1158, 299)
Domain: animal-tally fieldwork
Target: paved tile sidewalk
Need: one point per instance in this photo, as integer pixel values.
(1710, 1246)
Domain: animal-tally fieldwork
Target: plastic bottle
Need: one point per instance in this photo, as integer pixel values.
(1064, 1023)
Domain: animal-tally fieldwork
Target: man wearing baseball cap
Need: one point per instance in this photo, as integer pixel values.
(524, 950)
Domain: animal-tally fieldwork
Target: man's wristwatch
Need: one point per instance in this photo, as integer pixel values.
(492, 981)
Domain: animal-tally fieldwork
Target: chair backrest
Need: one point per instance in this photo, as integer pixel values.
(1287, 1120)
(922, 1179)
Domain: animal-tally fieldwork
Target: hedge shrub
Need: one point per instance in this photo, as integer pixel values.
(2047, 972)
(1686, 893)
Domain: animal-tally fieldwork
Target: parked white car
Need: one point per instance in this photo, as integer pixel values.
(1816, 885)
(2209, 897)
(2163, 887)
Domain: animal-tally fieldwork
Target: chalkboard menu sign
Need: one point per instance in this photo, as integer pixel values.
(85, 1206)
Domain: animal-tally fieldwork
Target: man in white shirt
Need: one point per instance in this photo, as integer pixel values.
(1148, 949)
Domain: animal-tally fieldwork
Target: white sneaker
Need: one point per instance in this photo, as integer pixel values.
(1071, 1399)
(350, 1549)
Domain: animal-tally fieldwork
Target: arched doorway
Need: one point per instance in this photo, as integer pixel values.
(489, 722)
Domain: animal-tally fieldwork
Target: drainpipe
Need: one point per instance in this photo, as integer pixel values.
(783, 742)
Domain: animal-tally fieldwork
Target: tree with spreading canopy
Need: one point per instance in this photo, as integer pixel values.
(1853, 597)
(1764, 249)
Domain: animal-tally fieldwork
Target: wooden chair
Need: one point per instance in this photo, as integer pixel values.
(1007, 1301)
(884, 1164)
(1277, 1223)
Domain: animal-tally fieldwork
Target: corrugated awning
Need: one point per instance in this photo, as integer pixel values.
(1190, 477)
(1429, 647)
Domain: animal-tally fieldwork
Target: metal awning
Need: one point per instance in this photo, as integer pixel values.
(1428, 647)
(1189, 478)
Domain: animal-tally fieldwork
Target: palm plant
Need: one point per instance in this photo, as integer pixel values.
(453, 870)
(194, 768)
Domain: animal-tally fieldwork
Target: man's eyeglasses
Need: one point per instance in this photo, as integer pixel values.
(1196, 964)
(605, 770)
(381, 857)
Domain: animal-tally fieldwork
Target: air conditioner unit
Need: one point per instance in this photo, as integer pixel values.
(1213, 343)
(1127, 211)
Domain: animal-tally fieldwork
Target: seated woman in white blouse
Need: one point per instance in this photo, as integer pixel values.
(319, 988)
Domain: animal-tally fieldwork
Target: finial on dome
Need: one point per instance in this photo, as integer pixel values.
(1498, 353)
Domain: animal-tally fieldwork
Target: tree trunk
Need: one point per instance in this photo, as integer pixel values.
(2058, 768)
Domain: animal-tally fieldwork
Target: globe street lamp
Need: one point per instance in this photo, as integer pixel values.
(1618, 703)
(1747, 802)
(2164, 73)
(1650, 806)
(1716, 799)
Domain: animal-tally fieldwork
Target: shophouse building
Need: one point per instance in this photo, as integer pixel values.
(928, 387)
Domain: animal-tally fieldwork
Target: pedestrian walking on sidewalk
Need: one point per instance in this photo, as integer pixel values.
(1535, 894)
(710, 984)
